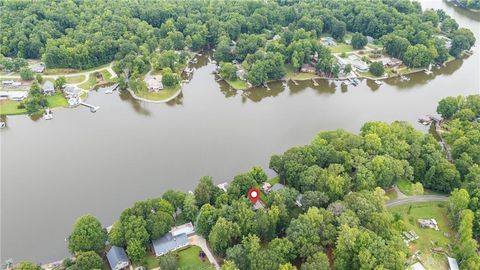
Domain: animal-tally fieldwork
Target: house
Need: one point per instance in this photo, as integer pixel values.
(117, 258)
(328, 41)
(154, 83)
(168, 243)
(223, 186)
(241, 74)
(360, 65)
(72, 91)
(342, 62)
(298, 201)
(452, 264)
(394, 62)
(37, 67)
(17, 95)
(48, 88)
(428, 223)
(276, 187)
(307, 68)
(186, 228)
(417, 266)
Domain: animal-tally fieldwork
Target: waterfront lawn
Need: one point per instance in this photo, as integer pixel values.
(57, 100)
(189, 259)
(238, 84)
(10, 107)
(164, 94)
(90, 83)
(293, 74)
(75, 79)
(441, 239)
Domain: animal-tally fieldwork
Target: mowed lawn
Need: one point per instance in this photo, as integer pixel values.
(189, 259)
(441, 239)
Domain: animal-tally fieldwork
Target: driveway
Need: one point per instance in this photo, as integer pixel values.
(416, 199)
(199, 241)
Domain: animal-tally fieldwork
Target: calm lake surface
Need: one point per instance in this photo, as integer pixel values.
(54, 171)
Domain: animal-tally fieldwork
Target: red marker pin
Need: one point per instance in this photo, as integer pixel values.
(253, 195)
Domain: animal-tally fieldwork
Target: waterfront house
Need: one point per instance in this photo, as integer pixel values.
(360, 65)
(168, 243)
(154, 83)
(48, 88)
(307, 68)
(394, 62)
(241, 73)
(72, 91)
(117, 258)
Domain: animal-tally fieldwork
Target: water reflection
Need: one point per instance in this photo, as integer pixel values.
(137, 105)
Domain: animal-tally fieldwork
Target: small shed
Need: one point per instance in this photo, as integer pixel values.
(117, 258)
(452, 263)
(48, 88)
(168, 243)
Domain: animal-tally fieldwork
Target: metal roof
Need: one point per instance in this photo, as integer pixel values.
(276, 187)
(116, 256)
(169, 243)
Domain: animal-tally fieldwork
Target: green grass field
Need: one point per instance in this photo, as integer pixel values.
(292, 73)
(189, 259)
(238, 84)
(150, 262)
(163, 94)
(57, 100)
(341, 47)
(75, 79)
(440, 239)
(90, 83)
(10, 107)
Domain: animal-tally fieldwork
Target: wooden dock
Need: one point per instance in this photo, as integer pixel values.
(295, 82)
(92, 108)
(315, 83)
(266, 86)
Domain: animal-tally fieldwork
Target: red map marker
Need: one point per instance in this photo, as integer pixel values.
(253, 195)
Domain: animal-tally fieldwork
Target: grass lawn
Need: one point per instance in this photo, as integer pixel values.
(10, 107)
(189, 259)
(150, 262)
(106, 74)
(405, 187)
(57, 100)
(427, 236)
(238, 84)
(163, 94)
(75, 79)
(274, 180)
(59, 71)
(292, 73)
(341, 47)
(90, 83)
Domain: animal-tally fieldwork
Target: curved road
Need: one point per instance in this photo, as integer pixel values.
(416, 199)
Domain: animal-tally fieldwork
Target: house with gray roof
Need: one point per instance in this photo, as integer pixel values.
(452, 263)
(168, 243)
(276, 187)
(117, 258)
(48, 88)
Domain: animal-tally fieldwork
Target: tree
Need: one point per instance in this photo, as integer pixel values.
(165, 59)
(60, 82)
(347, 69)
(448, 106)
(318, 261)
(158, 224)
(27, 266)
(190, 208)
(223, 235)
(134, 228)
(358, 41)
(136, 251)
(206, 191)
(206, 219)
(417, 188)
(258, 174)
(39, 78)
(457, 202)
(339, 29)
(87, 235)
(169, 261)
(175, 198)
(169, 78)
(287, 266)
(229, 265)
(377, 69)
(238, 255)
(88, 260)
(26, 74)
(228, 71)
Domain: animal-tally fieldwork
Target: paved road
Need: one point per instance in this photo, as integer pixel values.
(416, 199)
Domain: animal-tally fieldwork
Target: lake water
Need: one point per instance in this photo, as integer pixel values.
(54, 171)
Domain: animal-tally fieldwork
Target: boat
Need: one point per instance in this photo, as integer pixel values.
(284, 83)
(48, 115)
(404, 78)
(378, 82)
(3, 124)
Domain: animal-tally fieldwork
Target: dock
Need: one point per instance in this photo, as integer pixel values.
(295, 82)
(315, 83)
(91, 107)
(266, 86)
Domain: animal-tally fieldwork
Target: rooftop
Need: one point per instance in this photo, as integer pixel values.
(186, 228)
(168, 243)
(117, 258)
(452, 263)
(277, 187)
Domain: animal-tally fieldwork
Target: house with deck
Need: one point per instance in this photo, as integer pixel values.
(176, 239)
(48, 88)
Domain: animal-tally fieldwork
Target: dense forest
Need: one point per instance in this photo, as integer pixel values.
(263, 35)
(341, 221)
